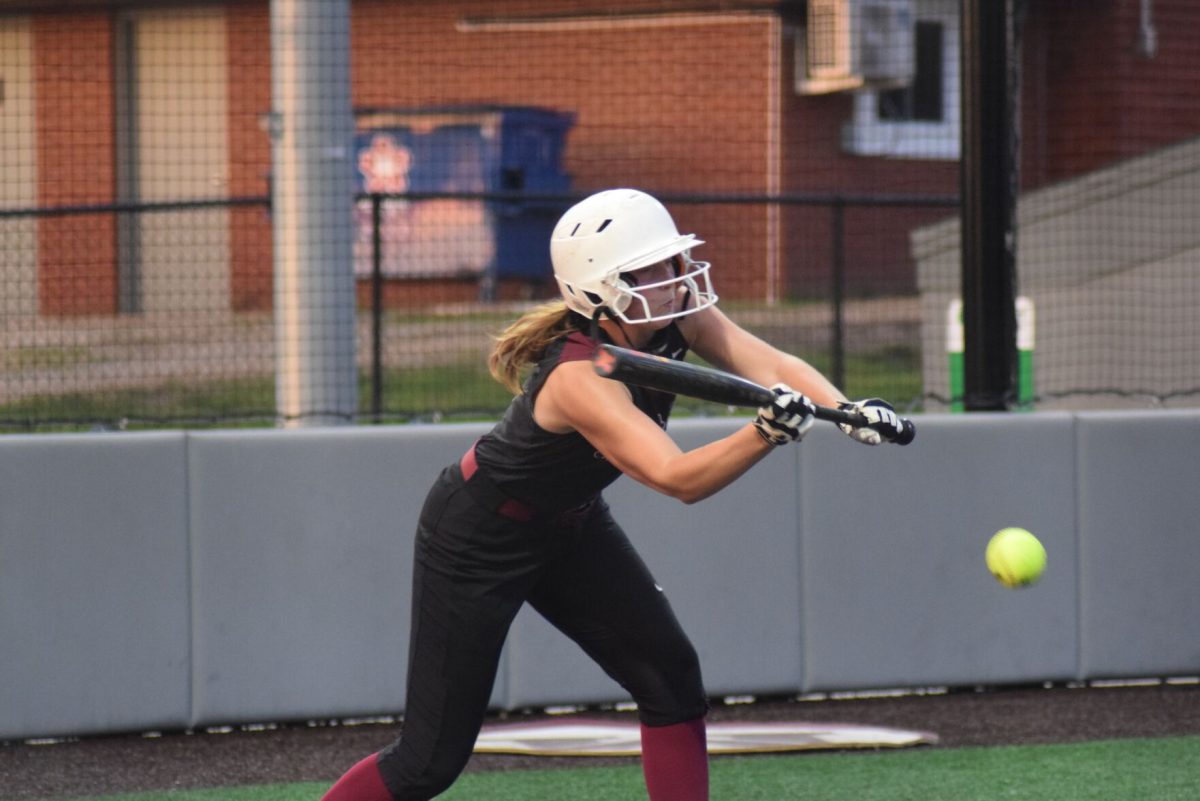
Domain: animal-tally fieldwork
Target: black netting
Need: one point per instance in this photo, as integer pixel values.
(172, 250)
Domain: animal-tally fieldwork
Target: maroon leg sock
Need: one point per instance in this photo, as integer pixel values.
(362, 782)
(675, 761)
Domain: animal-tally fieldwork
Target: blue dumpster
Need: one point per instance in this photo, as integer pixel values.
(461, 149)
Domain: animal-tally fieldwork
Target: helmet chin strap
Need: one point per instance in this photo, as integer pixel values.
(594, 326)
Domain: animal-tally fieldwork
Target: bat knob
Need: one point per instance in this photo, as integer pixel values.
(906, 435)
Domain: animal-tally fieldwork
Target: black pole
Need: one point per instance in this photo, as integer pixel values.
(838, 345)
(988, 206)
(376, 307)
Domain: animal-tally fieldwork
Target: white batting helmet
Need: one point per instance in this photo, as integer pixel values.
(619, 231)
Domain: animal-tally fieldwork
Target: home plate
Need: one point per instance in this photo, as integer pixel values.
(588, 737)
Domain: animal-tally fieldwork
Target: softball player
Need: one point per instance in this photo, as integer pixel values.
(521, 519)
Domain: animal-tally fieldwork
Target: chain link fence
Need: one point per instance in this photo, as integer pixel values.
(139, 198)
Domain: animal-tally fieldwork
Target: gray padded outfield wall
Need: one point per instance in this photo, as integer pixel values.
(94, 629)
(893, 539)
(173, 580)
(1139, 556)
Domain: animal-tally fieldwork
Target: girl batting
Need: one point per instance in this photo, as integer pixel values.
(521, 518)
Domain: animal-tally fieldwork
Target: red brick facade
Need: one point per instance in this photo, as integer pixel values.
(672, 102)
(651, 111)
(77, 262)
(250, 270)
(1090, 98)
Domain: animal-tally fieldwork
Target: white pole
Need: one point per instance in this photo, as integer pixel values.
(312, 132)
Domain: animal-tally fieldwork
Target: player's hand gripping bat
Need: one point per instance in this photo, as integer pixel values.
(706, 383)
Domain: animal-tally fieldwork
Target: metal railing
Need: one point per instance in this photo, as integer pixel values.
(55, 364)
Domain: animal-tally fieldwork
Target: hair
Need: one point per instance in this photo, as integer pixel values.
(523, 342)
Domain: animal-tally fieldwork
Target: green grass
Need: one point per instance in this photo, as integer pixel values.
(45, 356)
(197, 403)
(1116, 770)
(452, 391)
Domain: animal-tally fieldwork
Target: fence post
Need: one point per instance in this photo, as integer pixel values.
(312, 132)
(376, 307)
(989, 186)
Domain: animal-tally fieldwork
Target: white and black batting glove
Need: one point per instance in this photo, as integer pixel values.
(787, 419)
(882, 421)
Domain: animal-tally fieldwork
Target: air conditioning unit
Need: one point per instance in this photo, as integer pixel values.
(855, 44)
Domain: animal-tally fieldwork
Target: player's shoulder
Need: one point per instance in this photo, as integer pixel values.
(576, 346)
(573, 393)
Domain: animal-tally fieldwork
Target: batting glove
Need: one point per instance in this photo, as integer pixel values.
(787, 419)
(882, 421)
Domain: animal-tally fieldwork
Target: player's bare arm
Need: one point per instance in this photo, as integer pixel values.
(727, 346)
(574, 398)
(730, 347)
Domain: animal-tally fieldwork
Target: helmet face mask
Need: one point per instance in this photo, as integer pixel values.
(621, 231)
(689, 288)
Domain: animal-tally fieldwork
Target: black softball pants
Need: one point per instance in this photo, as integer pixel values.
(473, 570)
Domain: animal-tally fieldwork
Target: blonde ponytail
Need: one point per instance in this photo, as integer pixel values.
(522, 342)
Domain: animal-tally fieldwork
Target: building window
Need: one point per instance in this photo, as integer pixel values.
(919, 121)
(922, 100)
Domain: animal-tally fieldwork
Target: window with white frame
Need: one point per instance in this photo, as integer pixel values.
(919, 121)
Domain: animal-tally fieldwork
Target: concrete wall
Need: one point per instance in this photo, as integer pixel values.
(173, 580)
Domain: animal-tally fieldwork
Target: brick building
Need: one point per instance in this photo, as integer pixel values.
(124, 101)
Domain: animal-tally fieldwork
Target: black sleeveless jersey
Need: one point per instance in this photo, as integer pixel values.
(554, 472)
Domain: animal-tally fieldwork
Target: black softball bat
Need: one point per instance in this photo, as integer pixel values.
(707, 383)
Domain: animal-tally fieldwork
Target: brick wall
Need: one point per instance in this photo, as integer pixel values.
(677, 106)
(251, 257)
(876, 252)
(671, 103)
(1090, 97)
(77, 263)
(666, 104)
